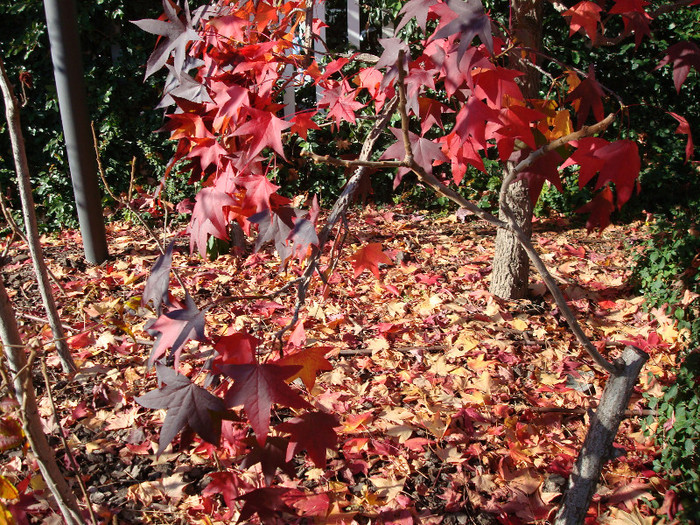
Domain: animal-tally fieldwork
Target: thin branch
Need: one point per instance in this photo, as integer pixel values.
(30, 222)
(339, 209)
(127, 204)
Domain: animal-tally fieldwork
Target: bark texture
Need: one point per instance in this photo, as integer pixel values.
(13, 350)
(511, 267)
(599, 439)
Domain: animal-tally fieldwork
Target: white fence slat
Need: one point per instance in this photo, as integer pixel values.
(354, 23)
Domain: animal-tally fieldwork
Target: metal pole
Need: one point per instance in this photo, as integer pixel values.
(61, 19)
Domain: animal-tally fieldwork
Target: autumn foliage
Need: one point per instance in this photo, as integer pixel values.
(449, 103)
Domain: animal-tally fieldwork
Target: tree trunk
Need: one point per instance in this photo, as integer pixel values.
(511, 267)
(601, 434)
(30, 224)
(31, 422)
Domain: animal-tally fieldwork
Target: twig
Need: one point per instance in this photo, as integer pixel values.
(127, 204)
(30, 223)
(339, 209)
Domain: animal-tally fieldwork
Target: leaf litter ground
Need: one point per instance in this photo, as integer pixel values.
(455, 406)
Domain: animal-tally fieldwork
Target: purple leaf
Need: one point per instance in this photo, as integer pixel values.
(176, 328)
(187, 404)
(158, 283)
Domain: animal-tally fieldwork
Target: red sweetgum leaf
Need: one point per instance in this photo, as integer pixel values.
(600, 209)
(634, 17)
(187, 404)
(584, 15)
(589, 95)
(258, 191)
(311, 361)
(617, 162)
(683, 56)
(271, 456)
(224, 483)
(302, 122)
(369, 257)
(11, 434)
(177, 36)
(684, 129)
(209, 217)
(237, 348)
(465, 18)
(267, 503)
(256, 387)
(314, 505)
(418, 9)
(425, 151)
(313, 432)
(302, 237)
(265, 130)
(277, 226)
(341, 104)
(176, 328)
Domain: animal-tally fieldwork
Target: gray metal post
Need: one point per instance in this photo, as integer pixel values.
(61, 19)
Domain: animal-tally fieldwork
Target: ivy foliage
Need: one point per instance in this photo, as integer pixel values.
(119, 102)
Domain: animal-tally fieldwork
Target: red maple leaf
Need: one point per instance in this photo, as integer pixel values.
(418, 9)
(256, 387)
(600, 209)
(584, 15)
(176, 328)
(225, 483)
(425, 151)
(311, 361)
(268, 503)
(237, 348)
(313, 432)
(684, 129)
(634, 17)
(187, 404)
(265, 130)
(302, 122)
(588, 95)
(369, 257)
(683, 56)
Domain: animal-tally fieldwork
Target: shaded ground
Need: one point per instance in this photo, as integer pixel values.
(455, 406)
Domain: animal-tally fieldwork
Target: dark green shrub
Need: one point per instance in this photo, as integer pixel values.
(119, 102)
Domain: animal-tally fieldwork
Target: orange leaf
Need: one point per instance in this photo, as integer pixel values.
(369, 258)
(311, 361)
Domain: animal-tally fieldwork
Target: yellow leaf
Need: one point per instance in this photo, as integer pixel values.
(5, 516)
(7, 490)
(519, 324)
